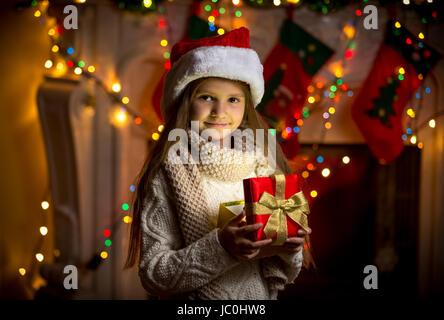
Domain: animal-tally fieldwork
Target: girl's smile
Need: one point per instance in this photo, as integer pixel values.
(216, 124)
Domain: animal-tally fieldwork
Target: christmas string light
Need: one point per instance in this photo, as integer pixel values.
(413, 116)
(346, 159)
(110, 232)
(32, 279)
(38, 257)
(428, 9)
(79, 68)
(411, 134)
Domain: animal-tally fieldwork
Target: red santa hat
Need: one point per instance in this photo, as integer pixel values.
(226, 56)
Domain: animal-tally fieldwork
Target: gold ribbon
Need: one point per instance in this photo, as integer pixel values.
(295, 207)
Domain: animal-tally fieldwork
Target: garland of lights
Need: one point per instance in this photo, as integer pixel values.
(426, 9)
(38, 255)
(138, 6)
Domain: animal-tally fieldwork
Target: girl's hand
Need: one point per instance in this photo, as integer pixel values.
(291, 245)
(295, 244)
(233, 238)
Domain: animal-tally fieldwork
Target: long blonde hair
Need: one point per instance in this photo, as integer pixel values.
(178, 117)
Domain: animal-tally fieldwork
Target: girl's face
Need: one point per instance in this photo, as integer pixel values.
(218, 104)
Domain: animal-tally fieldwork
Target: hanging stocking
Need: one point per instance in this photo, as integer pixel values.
(288, 71)
(400, 66)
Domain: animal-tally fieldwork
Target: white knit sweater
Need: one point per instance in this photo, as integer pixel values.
(203, 269)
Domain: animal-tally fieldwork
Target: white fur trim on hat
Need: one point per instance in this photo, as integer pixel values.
(214, 61)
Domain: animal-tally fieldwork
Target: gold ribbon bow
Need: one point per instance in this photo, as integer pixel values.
(295, 207)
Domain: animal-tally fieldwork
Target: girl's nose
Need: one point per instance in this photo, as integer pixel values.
(218, 107)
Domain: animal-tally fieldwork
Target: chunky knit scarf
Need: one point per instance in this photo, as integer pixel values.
(225, 164)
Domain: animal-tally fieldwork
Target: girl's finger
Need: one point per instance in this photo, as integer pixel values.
(251, 256)
(254, 245)
(295, 240)
(261, 243)
(250, 228)
(293, 249)
(249, 251)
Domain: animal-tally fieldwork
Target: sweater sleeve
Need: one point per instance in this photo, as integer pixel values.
(281, 270)
(165, 266)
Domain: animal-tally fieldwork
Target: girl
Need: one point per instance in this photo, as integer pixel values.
(216, 82)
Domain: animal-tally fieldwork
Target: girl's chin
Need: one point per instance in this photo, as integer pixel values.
(223, 131)
(226, 128)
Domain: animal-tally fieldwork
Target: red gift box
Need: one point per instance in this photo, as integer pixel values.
(287, 205)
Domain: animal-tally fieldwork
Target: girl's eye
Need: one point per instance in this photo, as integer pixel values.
(234, 100)
(205, 97)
